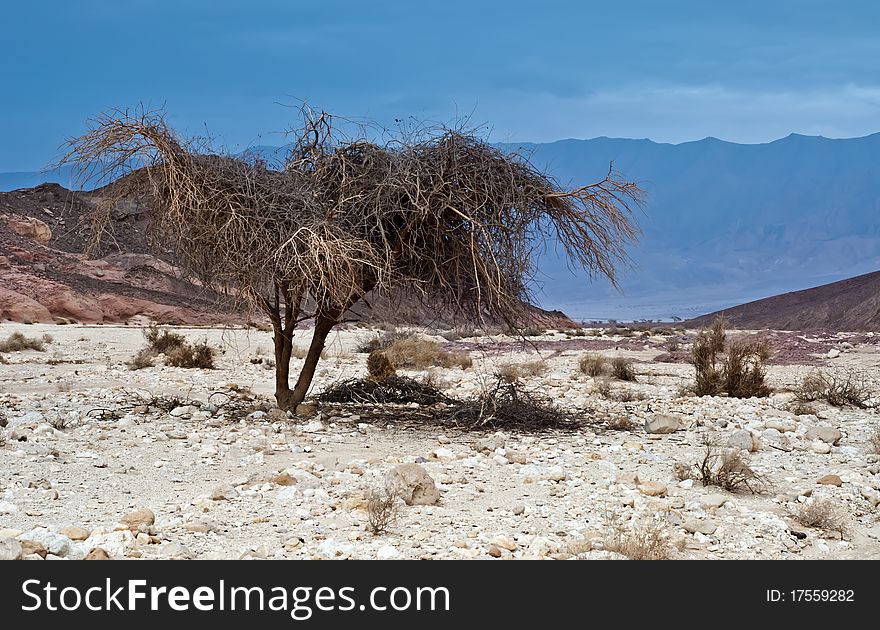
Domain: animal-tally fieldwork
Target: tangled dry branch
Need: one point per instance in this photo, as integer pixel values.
(439, 214)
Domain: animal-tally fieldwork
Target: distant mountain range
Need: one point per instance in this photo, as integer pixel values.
(724, 224)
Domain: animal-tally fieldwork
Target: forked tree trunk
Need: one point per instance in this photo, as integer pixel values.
(283, 350)
(286, 398)
(323, 326)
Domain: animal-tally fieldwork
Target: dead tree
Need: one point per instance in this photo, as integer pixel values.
(442, 215)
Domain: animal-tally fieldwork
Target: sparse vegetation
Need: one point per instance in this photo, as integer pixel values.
(644, 538)
(726, 468)
(59, 422)
(17, 342)
(593, 365)
(511, 372)
(622, 369)
(415, 353)
(822, 514)
(382, 507)
(198, 355)
(177, 350)
(841, 388)
(874, 442)
(162, 340)
(143, 358)
(603, 387)
(736, 368)
(621, 422)
(379, 366)
(800, 408)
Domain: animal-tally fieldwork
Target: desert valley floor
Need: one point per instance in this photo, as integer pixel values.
(86, 455)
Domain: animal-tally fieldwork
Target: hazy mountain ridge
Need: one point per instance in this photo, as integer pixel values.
(724, 223)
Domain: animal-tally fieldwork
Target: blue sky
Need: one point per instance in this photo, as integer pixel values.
(668, 70)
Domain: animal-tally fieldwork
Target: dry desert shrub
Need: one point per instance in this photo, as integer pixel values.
(603, 387)
(622, 370)
(875, 442)
(822, 514)
(379, 366)
(593, 365)
(800, 408)
(840, 388)
(419, 354)
(638, 539)
(382, 509)
(511, 372)
(728, 469)
(621, 422)
(177, 350)
(383, 340)
(17, 342)
(736, 368)
(162, 340)
(143, 358)
(198, 355)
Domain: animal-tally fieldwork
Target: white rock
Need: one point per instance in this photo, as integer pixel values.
(387, 552)
(10, 549)
(820, 447)
(413, 484)
(314, 426)
(661, 423)
(56, 544)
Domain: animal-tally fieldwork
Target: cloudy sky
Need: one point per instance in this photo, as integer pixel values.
(671, 71)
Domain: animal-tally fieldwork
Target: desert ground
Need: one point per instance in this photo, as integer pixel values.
(96, 459)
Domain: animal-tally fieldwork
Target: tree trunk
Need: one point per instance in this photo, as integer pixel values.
(323, 326)
(283, 350)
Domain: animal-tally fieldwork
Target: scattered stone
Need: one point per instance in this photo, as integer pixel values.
(660, 423)
(387, 552)
(503, 542)
(139, 520)
(413, 484)
(518, 509)
(223, 492)
(653, 489)
(713, 500)
(830, 480)
(97, 554)
(75, 533)
(744, 440)
(829, 435)
(693, 525)
(284, 479)
(52, 543)
(820, 447)
(494, 551)
(10, 549)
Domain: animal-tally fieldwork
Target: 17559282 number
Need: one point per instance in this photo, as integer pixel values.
(811, 595)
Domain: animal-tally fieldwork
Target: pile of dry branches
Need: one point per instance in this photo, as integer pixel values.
(394, 389)
(506, 405)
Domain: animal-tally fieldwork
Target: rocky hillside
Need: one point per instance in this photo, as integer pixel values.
(46, 274)
(850, 305)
